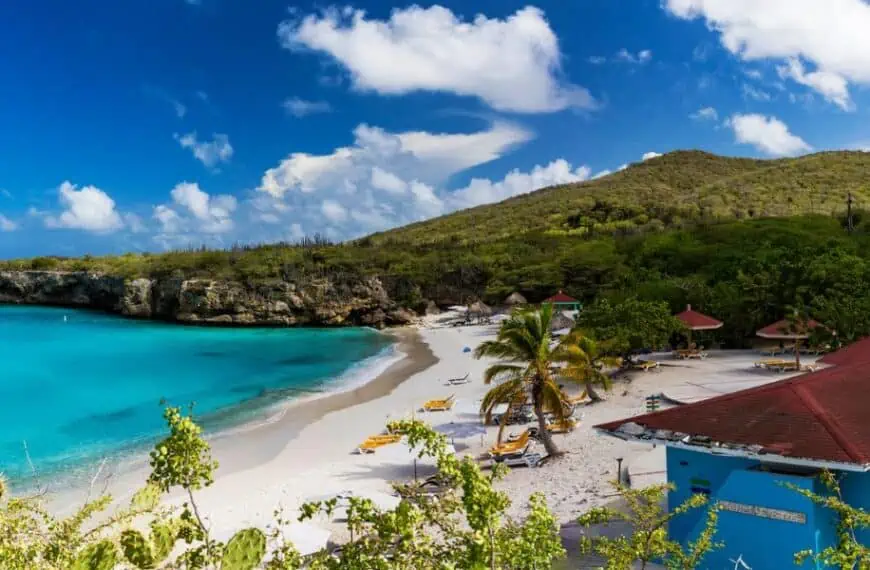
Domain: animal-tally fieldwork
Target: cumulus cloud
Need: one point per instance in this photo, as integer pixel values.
(7, 225)
(650, 155)
(194, 211)
(750, 92)
(88, 208)
(768, 134)
(424, 155)
(643, 56)
(210, 153)
(301, 108)
(832, 86)
(388, 179)
(515, 66)
(705, 114)
(831, 36)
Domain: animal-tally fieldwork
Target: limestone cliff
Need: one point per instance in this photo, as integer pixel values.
(318, 302)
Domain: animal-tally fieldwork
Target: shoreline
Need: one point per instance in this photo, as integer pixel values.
(258, 440)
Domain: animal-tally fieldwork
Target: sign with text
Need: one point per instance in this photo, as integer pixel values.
(764, 512)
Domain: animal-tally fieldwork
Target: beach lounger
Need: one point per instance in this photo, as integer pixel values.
(771, 363)
(525, 460)
(440, 405)
(371, 444)
(563, 426)
(457, 381)
(512, 447)
(644, 365)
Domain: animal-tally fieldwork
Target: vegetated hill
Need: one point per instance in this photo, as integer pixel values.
(670, 190)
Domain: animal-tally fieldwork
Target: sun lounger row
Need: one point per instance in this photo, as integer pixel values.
(688, 354)
(779, 365)
(372, 443)
(440, 405)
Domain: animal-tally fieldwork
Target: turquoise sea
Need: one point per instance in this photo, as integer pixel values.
(77, 385)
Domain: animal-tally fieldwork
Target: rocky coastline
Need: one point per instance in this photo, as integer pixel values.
(317, 302)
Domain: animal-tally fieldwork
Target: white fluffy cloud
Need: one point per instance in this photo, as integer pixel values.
(483, 191)
(88, 209)
(650, 155)
(705, 114)
(200, 212)
(831, 35)
(768, 134)
(426, 156)
(831, 86)
(7, 225)
(210, 153)
(301, 108)
(512, 64)
(388, 179)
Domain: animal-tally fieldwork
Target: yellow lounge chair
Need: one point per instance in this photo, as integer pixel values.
(563, 426)
(386, 438)
(511, 447)
(772, 363)
(371, 444)
(440, 405)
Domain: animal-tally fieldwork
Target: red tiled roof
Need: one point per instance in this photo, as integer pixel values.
(819, 416)
(781, 329)
(698, 321)
(856, 353)
(561, 298)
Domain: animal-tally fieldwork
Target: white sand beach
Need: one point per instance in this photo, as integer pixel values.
(310, 450)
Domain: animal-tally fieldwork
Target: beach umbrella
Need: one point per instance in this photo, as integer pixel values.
(461, 430)
(786, 330)
(695, 321)
(515, 299)
(307, 538)
(403, 455)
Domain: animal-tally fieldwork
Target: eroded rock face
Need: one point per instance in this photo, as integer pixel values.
(318, 302)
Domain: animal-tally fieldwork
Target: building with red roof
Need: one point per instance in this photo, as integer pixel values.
(746, 449)
(563, 302)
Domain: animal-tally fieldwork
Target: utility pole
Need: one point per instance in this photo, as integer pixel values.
(849, 202)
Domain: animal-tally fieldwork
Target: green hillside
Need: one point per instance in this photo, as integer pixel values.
(679, 187)
(744, 240)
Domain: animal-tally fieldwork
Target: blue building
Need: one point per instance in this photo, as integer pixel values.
(744, 449)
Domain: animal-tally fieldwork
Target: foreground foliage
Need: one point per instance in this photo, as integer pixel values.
(465, 527)
(645, 539)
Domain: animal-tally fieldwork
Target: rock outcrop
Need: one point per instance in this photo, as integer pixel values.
(318, 302)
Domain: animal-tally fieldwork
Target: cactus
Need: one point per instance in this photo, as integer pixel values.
(245, 550)
(148, 553)
(99, 556)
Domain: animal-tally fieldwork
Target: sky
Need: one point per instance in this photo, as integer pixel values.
(147, 126)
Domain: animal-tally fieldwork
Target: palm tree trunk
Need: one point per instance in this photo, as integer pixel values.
(543, 432)
(593, 395)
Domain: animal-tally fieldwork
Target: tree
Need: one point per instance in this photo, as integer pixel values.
(466, 527)
(629, 326)
(849, 553)
(646, 539)
(584, 363)
(522, 347)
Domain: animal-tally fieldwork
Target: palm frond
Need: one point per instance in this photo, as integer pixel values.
(505, 393)
(502, 372)
(553, 400)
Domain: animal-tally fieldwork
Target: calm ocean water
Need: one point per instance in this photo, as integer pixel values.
(76, 385)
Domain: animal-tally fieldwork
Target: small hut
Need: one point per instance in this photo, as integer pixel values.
(432, 309)
(563, 302)
(561, 322)
(478, 310)
(515, 299)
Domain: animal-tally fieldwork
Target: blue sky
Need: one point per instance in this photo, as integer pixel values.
(130, 126)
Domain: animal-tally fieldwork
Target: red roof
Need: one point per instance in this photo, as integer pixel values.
(781, 329)
(820, 415)
(561, 298)
(856, 353)
(698, 321)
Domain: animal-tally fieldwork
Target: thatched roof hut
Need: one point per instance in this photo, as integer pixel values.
(515, 299)
(479, 308)
(561, 321)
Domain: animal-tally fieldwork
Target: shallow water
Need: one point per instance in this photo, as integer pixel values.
(77, 386)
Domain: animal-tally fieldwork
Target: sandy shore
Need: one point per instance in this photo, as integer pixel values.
(309, 451)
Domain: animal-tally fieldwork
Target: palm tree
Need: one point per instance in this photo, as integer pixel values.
(584, 363)
(522, 347)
